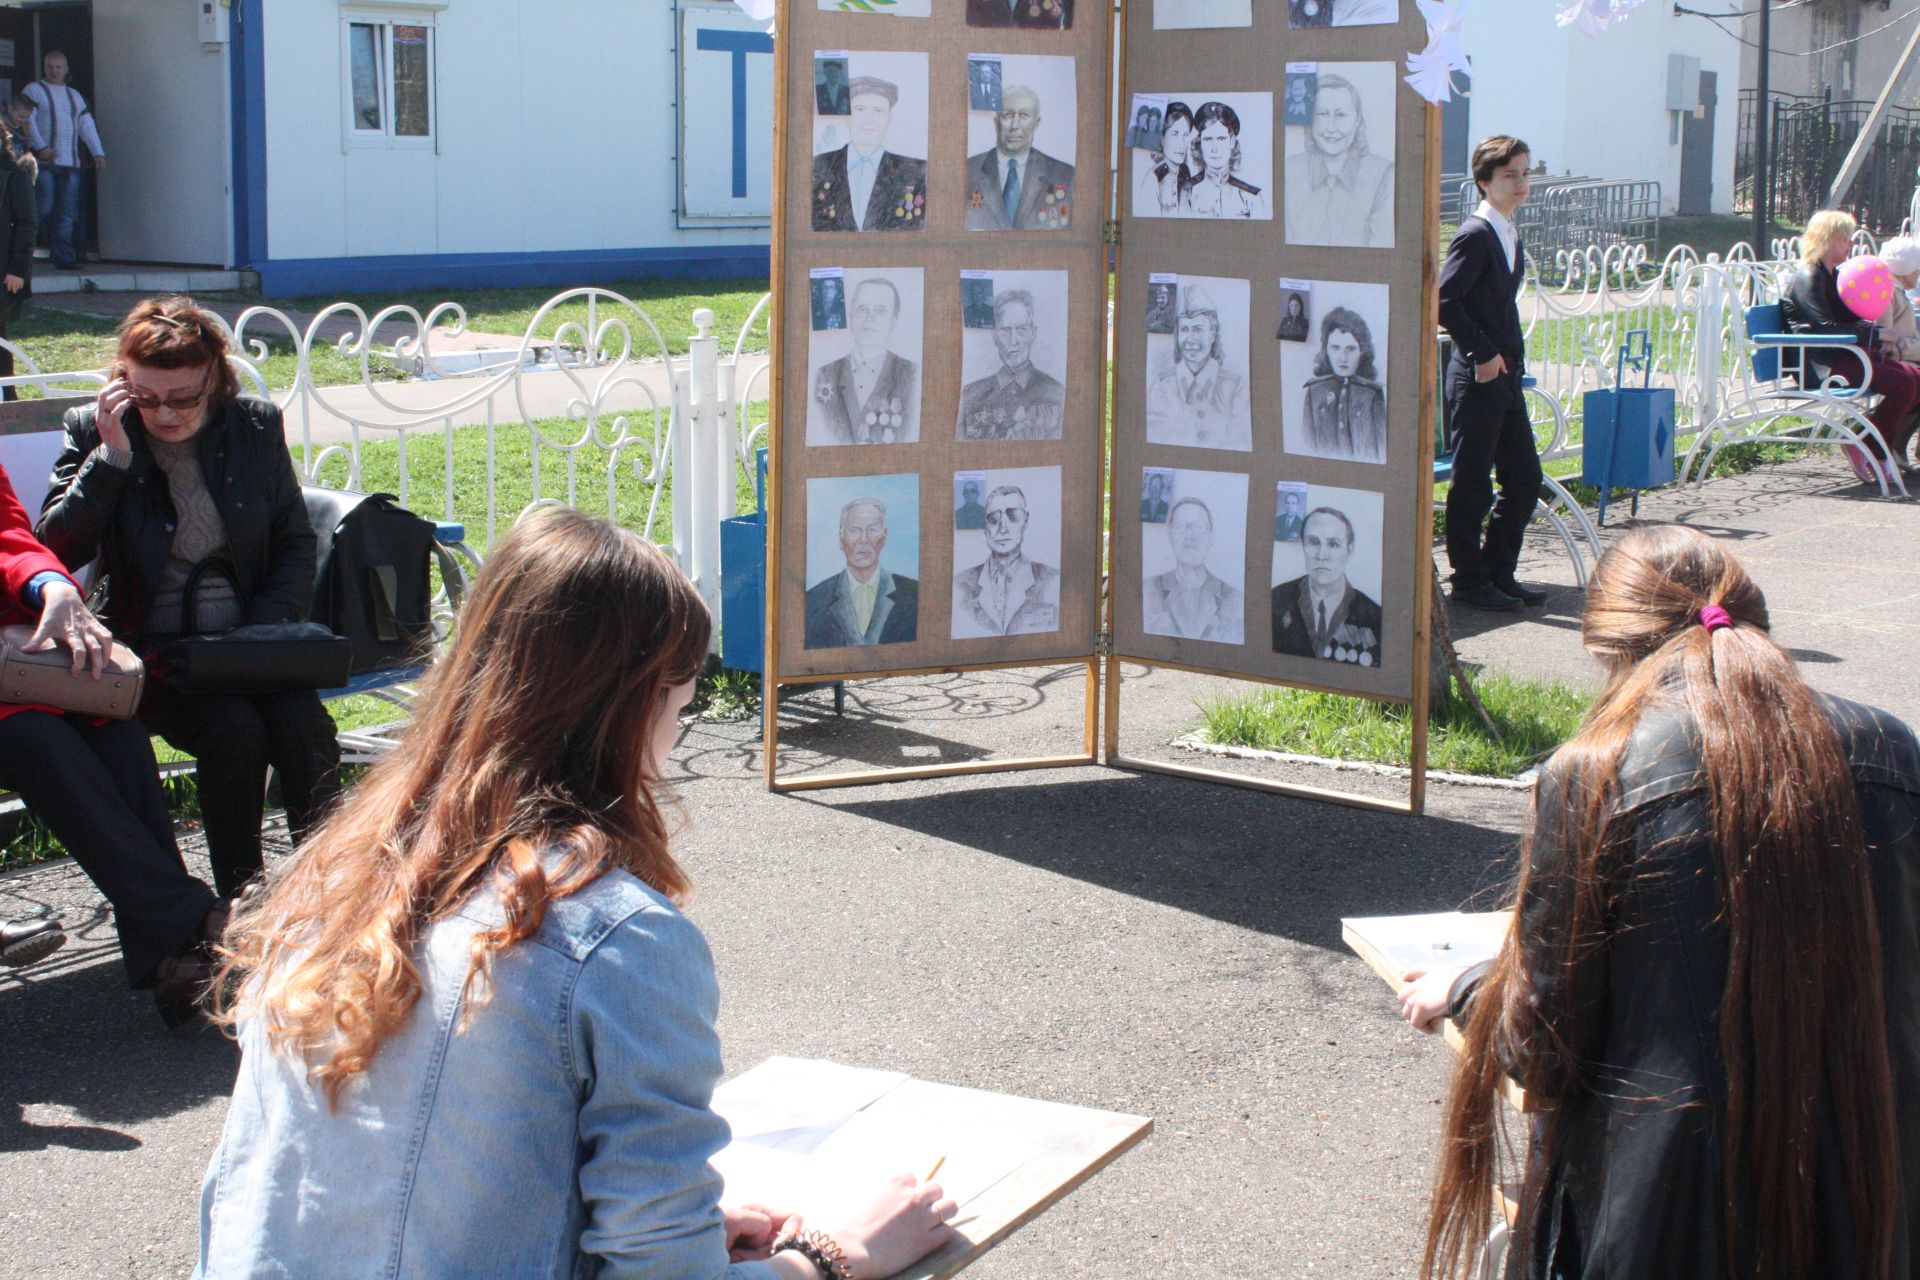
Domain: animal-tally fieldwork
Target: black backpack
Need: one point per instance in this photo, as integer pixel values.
(372, 580)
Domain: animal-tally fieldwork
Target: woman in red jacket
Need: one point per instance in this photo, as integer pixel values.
(94, 783)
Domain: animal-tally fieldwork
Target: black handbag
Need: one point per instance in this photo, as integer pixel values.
(262, 657)
(373, 575)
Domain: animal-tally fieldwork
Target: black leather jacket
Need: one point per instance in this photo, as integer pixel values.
(1812, 304)
(1633, 1186)
(126, 517)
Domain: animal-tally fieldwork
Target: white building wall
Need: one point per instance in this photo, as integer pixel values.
(555, 126)
(1595, 106)
(162, 112)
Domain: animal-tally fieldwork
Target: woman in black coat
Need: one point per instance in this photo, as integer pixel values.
(1708, 993)
(168, 470)
(19, 221)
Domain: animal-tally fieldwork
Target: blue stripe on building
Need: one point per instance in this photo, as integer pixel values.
(294, 277)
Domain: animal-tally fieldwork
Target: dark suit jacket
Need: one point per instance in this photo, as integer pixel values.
(1360, 432)
(835, 101)
(1041, 177)
(832, 624)
(1479, 294)
(837, 404)
(898, 201)
(1354, 629)
(997, 13)
(1812, 304)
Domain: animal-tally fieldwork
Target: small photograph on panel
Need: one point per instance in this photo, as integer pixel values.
(1163, 301)
(1333, 387)
(1156, 492)
(1020, 155)
(1006, 568)
(1290, 511)
(827, 292)
(976, 299)
(893, 8)
(1149, 113)
(1296, 310)
(1296, 108)
(1037, 15)
(1192, 565)
(1197, 375)
(1339, 172)
(1326, 579)
(863, 561)
(1341, 13)
(1215, 159)
(869, 157)
(983, 82)
(1178, 15)
(969, 489)
(1013, 374)
(865, 369)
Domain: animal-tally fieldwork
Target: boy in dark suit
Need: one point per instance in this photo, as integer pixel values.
(1493, 436)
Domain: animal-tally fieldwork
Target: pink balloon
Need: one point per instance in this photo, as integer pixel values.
(1866, 286)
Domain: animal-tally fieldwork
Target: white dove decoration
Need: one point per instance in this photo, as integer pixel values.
(1430, 72)
(1595, 16)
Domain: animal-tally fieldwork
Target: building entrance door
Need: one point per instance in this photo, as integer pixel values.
(1696, 151)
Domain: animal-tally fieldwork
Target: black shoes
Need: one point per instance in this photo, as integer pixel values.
(1525, 595)
(25, 941)
(1484, 595)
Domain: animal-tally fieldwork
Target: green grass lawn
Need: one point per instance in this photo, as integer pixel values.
(1534, 718)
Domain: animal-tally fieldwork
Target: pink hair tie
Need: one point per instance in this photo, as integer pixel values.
(1713, 617)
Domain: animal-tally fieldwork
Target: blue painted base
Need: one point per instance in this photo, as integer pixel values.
(298, 277)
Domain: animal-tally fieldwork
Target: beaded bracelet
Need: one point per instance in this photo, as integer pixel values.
(819, 1248)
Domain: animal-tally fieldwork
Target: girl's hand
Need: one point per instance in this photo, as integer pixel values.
(751, 1231)
(1428, 994)
(903, 1223)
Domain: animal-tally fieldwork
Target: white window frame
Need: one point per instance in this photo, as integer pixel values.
(385, 18)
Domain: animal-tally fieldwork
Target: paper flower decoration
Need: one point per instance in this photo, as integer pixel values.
(1866, 286)
(1430, 72)
(1595, 16)
(758, 10)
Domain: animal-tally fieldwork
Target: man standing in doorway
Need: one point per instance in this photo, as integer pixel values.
(67, 142)
(1486, 405)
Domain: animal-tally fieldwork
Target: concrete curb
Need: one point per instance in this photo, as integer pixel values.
(1195, 743)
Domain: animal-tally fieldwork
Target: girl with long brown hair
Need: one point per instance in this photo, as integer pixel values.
(1709, 994)
(477, 1031)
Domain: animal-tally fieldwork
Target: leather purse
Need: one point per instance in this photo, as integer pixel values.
(46, 679)
(263, 657)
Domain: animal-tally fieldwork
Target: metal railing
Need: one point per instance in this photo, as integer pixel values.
(1568, 214)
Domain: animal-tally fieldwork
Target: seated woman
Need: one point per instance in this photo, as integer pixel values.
(1899, 331)
(1708, 991)
(1812, 304)
(96, 787)
(167, 470)
(474, 1024)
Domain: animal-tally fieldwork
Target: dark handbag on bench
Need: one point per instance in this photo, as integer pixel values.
(264, 657)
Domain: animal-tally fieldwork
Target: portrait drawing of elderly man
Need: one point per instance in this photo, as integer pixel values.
(863, 186)
(1197, 399)
(1344, 404)
(1338, 192)
(1006, 594)
(1016, 401)
(869, 395)
(1320, 614)
(1015, 186)
(1045, 15)
(1217, 190)
(863, 604)
(1188, 600)
(1161, 189)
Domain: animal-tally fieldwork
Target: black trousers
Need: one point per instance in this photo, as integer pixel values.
(1493, 438)
(235, 737)
(96, 787)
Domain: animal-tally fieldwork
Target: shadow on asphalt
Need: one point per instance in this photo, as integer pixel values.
(73, 1037)
(1268, 863)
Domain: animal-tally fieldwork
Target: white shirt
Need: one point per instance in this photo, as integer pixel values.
(56, 107)
(861, 171)
(1502, 227)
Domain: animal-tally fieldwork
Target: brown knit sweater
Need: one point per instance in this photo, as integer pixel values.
(198, 533)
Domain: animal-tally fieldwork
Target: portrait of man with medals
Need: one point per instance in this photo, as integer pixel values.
(1321, 614)
(1043, 15)
(870, 395)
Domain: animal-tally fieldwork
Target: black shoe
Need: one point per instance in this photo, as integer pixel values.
(1525, 595)
(25, 941)
(1484, 595)
(68, 266)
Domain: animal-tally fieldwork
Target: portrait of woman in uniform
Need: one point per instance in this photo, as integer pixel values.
(866, 375)
(1333, 386)
(1215, 159)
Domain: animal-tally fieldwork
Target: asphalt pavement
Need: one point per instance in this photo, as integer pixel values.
(1118, 940)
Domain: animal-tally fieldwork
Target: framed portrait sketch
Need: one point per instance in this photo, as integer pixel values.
(1307, 14)
(1215, 158)
(863, 561)
(1193, 562)
(1196, 367)
(1182, 15)
(890, 8)
(1024, 15)
(1006, 552)
(1339, 171)
(1327, 572)
(1021, 148)
(869, 141)
(1013, 355)
(864, 355)
(1333, 398)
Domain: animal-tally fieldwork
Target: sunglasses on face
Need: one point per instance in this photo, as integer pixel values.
(147, 402)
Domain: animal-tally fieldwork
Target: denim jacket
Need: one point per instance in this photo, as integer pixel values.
(563, 1133)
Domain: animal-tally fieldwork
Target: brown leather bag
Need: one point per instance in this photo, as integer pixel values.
(46, 679)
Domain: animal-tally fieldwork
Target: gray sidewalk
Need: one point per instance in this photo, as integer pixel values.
(1133, 942)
